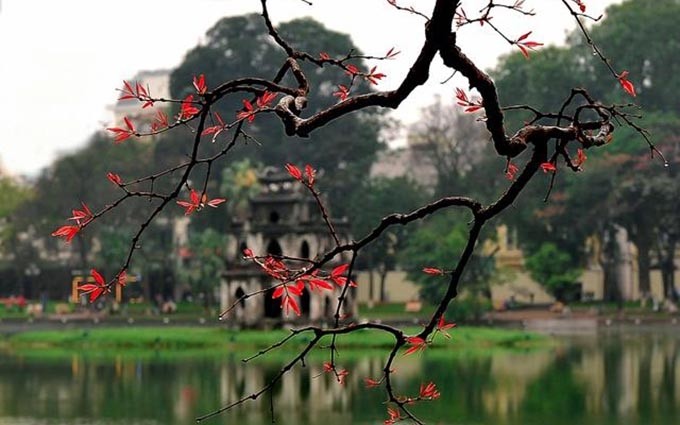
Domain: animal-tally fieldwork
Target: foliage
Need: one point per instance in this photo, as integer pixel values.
(379, 197)
(206, 263)
(433, 245)
(615, 188)
(449, 141)
(553, 268)
(12, 198)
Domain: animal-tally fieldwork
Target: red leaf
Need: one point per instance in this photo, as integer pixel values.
(278, 292)
(318, 283)
(114, 178)
(129, 125)
(88, 287)
(122, 278)
(248, 253)
(548, 167)
(292, 303)
(266, 98)
(511, 171)
(580, 157)
(199, 84)
(66, 232)
(391, 53)
(120, 134)
(371, 383)
(342, 92)
(98, 277)
(141, 92)
(310, 173)
(216, 201)
(627, 85)
(188, 110)
(95, 294)
(294, 171)
(352, 70)
(433, 271)
(429, 391)
(340, 270)
(296, 289)
(524, 36)
(416, 343)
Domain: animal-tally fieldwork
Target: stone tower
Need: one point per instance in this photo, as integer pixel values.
(282, 219)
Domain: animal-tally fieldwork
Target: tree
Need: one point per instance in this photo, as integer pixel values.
(379, 197)
(449, 141)
(432, 244)
(12, 197)
(613, 187)
(552, 268)
(285, 95)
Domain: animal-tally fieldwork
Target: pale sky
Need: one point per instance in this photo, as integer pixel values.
(61, 61)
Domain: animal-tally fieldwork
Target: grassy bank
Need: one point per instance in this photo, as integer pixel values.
(221, 340)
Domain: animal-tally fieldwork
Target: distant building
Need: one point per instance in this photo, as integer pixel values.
(283, 219)
(405, 162)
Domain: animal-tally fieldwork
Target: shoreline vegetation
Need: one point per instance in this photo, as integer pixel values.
(138, 341)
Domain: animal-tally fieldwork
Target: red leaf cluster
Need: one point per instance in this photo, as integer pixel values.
(199, 84)
(188, 109)
(215, 129)
(342, 92)
(307, 179)
(470, 105)
(94, 289)
(138, 92)
(394, 416)
(429, 391)
(548, 167)
(442, 327)
(121, 133)
(114, 178)
(510, 171)
(249, 111)
(81, 217)
(196, 202)
(373, 76)
(160, 121)
(416, 344)
(526, 45)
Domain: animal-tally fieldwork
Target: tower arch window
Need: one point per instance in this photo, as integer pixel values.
(274, 248)
(304, 250)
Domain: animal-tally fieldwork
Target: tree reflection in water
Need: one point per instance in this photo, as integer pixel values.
(609, 379)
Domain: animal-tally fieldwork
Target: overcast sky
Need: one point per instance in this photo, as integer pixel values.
(61, 61)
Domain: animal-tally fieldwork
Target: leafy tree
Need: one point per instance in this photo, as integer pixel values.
(552, 268)
(450, 142)
(206, 263)
(12, 198)
(612, 192)
(379, 197)
(432, 245)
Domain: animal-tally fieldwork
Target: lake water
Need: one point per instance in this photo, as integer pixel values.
(618, 378)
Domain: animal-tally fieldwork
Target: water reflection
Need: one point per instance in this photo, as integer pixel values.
(609, 379)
